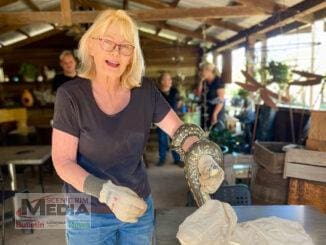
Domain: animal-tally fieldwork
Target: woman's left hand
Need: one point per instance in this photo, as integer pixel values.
(211, 175)
(214, 119)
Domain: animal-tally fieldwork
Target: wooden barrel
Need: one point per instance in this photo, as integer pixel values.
(268, 188)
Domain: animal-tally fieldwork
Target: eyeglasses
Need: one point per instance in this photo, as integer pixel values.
(108, 45)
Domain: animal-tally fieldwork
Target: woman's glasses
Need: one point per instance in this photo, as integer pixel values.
(108, 45)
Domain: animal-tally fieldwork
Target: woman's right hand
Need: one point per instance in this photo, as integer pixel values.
(123, 202)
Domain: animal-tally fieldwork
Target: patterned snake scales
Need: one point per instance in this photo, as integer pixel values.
(202, 147)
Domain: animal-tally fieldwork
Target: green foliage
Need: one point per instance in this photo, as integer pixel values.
(28, 70)
(243, 93)
(224, 137)
(276, 72)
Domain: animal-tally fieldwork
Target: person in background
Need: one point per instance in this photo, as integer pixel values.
(214, 95)
(171, 94)
(68, 64)
(247, 118)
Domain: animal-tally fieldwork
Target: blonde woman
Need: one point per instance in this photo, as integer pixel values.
(101, 124)
(215, 91)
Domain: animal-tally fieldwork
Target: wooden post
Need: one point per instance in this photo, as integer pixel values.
(263, 62)
(227, 66)
(250, 54)
(215, 58)
(66, 13)
(312, 63)
(125, 4)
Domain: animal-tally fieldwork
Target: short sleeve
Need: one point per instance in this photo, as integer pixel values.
(65, 113)
(220, 83)
(177, 95)
(161, 106)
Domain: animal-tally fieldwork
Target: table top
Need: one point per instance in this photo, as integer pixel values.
(25, 155)
(23, 131)
(314, 222)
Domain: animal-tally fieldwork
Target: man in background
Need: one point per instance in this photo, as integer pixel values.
(68, 64)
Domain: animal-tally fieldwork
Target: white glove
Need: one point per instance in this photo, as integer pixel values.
(123, 202)
(211, 174)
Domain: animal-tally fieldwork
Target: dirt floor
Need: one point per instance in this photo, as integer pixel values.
(168, 189)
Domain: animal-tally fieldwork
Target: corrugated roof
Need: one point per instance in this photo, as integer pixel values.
(187, 24)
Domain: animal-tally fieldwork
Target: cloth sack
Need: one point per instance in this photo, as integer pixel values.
(215, 223)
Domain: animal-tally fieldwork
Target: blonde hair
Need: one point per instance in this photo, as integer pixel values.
(65, 53)
(132, 75)
(210, 66)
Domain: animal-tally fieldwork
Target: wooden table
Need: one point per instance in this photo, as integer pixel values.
(168, 220)
(23, 155)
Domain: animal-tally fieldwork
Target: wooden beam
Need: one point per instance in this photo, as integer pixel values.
(93, 5)
(224, 24)
(66, 13)
(31, 5)
(78, 17)
(22, 32)
(155, 38)
(175, 3)
(206, 12)
(276, 21)
(160, 24)
(152, 3)
(169, 60)
(4, 29)
(30, 40)
(28, 17)
(309, 19)
(193, 34)
(185, 51)
(32, 51)
(125, 4)
(7, 2)
(268, 6)
(172, 5)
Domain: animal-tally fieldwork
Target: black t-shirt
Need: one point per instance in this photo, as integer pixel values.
(212, 98)
(172, 97)
(110, 146)
(60, 79)
(212, 88)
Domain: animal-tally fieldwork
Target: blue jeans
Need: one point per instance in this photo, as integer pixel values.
(107, 229)
(163, 146)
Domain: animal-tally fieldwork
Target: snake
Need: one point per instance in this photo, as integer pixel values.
(201, 147)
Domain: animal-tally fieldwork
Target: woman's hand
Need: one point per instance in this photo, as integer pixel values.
(214, 119)
(123, 202)
(211, 174)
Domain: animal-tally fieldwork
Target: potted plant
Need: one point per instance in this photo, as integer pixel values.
(276, 72)
(28, 71)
